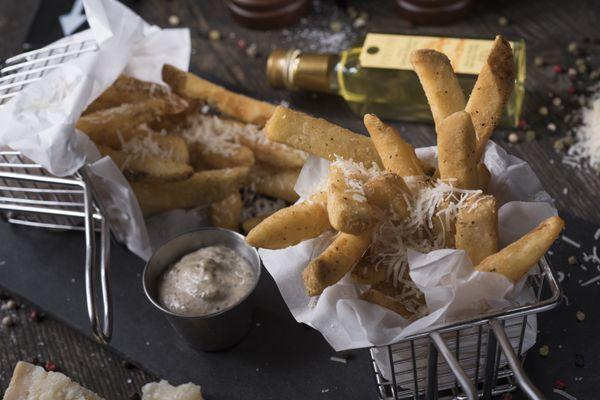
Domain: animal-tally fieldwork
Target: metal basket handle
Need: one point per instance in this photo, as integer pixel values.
(436, 346)
(513, 361)
(100, 319)
(496, 336)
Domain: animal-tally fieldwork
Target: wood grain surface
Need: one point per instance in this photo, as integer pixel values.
(547, 26)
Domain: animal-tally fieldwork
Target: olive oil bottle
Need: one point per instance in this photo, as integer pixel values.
(377, 77)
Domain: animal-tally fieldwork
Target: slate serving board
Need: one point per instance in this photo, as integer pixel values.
(279, 358)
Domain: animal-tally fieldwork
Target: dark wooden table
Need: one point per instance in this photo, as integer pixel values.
(547, 26)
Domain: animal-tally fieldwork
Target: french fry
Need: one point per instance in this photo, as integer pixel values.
(347, 206)
(235, 105)
(127, 89)
(249, 135)
(517, 258)
(320, 137)
(477, 228)
(292, 225)
(376, 296)
(456, 151)
(492, 89)
(388, 191)
(397, 155)
(142, 139)
(277, 183)
(366, 273)
(251, 223)
(335, 262)
(125, 117)
(149, 168)
(202, 188)
(227, 212)
(483, 177)
(227, 155)
(444, 94)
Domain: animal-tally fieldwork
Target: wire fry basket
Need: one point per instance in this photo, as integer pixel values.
(30, 195)
(480, 358)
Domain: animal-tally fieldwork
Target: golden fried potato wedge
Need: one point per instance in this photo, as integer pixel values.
(202, 188)
(147, 168)
(127, 89)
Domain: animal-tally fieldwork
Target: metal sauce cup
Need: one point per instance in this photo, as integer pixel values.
(214, 331)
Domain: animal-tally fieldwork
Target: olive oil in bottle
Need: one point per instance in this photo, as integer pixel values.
(377, 77)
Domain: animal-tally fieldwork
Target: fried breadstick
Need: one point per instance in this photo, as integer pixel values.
(492, 89)
(292, 225)
(347, 205)
(517, 258)
(388, 191)
(320, 137)
(226, 213)
(444, 94)
(366, 273)
(335, 262)
(232, 104)
(397, 155)
(477, 228)
(278, 183)
(456, 151)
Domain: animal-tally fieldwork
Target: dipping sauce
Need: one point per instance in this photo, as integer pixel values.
(205, 281)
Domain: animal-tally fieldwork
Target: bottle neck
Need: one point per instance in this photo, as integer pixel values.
(295, 70)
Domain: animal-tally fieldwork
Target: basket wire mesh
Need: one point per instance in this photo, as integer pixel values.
(31, 196)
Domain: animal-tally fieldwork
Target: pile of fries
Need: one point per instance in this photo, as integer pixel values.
(176, 157)
(380, 199)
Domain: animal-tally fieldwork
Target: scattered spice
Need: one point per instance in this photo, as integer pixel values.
(557, 101)
(544, 350)
(559, 384)
(503, 21)
(35, 316)
(513, 137)
(359, 22)
(558, 69)
(241, 44)
(174, 20)
(572, 260)
(50, 366)
(543, 110)
(579, 315)
(214, 35)
(573, 48)
(10, 305)
(252, 50)
(336, 26)
(551, 126)
(538, 61)
(582, 69)
(579, 361)
(559, 145)
(530, 135)
(342, 360)
(571, 90)
(8, 321)
(572, 72)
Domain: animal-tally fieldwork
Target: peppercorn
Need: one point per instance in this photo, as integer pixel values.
(557, 101)
(544, 350)
(579, 315)
(538, 61)
(572, 260)
(543, 110)
(214, 35)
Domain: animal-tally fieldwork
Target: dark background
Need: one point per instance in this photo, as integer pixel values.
(547, 26)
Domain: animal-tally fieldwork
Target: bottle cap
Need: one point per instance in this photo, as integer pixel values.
(267, 14)
(293, 70)
(433, 12)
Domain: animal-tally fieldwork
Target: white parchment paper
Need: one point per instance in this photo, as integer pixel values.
(453, 289)
(40, 120)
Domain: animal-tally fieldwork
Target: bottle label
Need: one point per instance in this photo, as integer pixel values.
(393, 51)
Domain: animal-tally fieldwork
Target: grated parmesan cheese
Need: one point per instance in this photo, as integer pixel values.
(586, 149)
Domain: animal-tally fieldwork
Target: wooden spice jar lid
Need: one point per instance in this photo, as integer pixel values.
(267, 14)
(433, 12)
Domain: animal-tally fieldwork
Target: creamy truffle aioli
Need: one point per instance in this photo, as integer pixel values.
(205, 281)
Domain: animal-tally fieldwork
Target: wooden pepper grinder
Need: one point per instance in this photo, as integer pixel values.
(433, 12)
(267, 14)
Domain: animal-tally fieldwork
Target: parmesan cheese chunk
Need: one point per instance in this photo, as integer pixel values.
(164, 391)
(30, 382)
